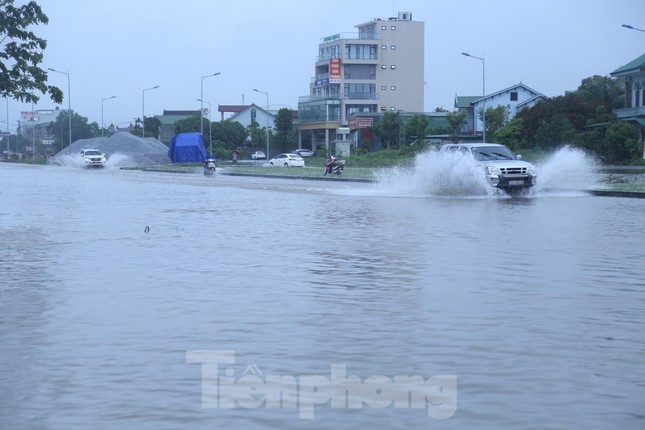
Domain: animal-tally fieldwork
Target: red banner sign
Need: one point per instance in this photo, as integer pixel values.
(334, 70)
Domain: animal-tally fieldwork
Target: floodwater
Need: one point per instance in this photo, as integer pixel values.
(140, 300)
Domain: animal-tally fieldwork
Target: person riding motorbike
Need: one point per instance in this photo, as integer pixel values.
(329, 164)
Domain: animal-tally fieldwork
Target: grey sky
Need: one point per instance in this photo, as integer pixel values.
(120, 47)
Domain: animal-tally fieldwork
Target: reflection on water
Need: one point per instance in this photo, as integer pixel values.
(535, 304)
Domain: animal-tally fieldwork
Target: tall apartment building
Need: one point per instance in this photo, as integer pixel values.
(378, 69)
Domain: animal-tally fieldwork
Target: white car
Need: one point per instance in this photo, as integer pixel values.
(93, 158)
(287, 160)
(258, 155)
(502, 168)
(304, 152)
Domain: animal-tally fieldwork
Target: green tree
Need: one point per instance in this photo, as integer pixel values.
(81, 129)
(496, 118)
(285, 135)
(231, 134)
(417, 128)
(22, 53)
(456, 120)
(602, 89)
(187, 125)
(256, 134)
(512, 134)
(388, 129)
(621, 143)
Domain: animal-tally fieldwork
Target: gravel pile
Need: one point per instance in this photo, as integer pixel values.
(133, 150)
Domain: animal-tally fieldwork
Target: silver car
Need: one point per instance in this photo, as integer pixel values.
(502, 168)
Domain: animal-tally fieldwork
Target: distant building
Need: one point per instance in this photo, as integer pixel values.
(633, 73)
(378, 69)
(168, 121)
(253, 113)
(515, 98)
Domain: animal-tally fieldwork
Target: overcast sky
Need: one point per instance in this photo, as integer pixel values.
(121, 47)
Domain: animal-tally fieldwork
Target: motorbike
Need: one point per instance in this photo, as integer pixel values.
(334, 166)
(209, 167)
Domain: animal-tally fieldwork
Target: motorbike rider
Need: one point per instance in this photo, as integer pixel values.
(329, 164)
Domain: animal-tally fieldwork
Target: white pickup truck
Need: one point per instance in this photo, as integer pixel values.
(93, 158)
(502, 168)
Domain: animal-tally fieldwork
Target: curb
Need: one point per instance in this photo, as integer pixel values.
(308, 178)
(613, 193)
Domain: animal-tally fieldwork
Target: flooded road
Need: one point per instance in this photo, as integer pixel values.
(119, 288)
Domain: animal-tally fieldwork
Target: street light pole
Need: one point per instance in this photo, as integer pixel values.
(102, 123)
(633, 28)
(201, 106)
(267, 118)
(143, 109)
(210, 126)
(69, 107)
(484, 92)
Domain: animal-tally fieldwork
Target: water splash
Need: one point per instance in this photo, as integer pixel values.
(568, 169)
(114, 161)
(438, 174)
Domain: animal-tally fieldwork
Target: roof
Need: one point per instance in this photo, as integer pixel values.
(233, 108)
(631, 67)
(172, 119)
(180, 112)
(467, 101)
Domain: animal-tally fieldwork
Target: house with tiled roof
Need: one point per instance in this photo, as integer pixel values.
(515, 98)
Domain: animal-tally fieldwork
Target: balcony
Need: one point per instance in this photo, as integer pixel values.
(624, 113)
(317, 98)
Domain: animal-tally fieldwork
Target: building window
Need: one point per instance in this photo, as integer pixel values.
(513, 96)
(393, 66)
(384, 88)
(383, 47)
(384, 27)
(392, 108)
(394, 27)
(253, 115)
(361, 52)
(393, 87)
(383, 66)
(383, 108)
(393, 47)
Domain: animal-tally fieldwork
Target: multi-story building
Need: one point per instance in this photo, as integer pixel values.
(378, 69)
(633, 74)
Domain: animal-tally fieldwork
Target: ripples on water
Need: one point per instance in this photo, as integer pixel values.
(534, 303)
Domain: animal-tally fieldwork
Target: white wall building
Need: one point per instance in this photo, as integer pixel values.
(515, 98)
(380, 68)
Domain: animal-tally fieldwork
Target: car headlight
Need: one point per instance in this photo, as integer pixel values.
(532, 169)
(492, 170)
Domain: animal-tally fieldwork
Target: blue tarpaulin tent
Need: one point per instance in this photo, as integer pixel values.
(187, 148)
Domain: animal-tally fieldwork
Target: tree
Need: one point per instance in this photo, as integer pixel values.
(231, 134)
(456, 120)
(187, 125)
(256, 134)
(417, 128)
(602, 89)
(283, 121)
(512, 134)
(388, 129)
(81, 129)
(621, 141)
(496, 118)
(22, 52)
